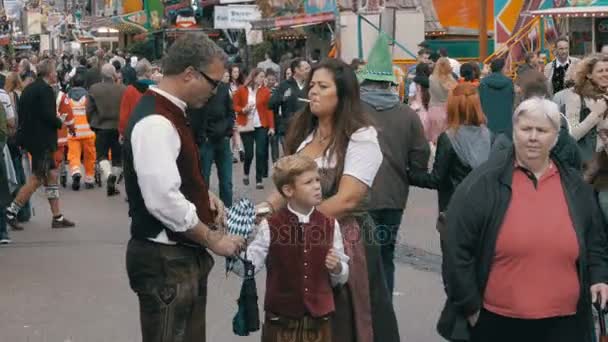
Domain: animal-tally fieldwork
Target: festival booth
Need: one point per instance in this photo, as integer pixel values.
(584, 21)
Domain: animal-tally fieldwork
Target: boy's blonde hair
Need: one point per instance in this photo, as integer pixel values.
(286, 169)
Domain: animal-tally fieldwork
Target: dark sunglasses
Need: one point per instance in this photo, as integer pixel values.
(214, 83)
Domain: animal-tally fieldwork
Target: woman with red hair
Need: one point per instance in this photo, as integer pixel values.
(462, 147)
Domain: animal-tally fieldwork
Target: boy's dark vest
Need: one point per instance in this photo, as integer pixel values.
(143, 224)
(298, 282)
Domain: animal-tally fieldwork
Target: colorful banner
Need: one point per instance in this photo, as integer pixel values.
(319, 6)
(155, 10)
(138, 19)
(130, 6)
(462, 13)
(289, 21)
(508, 16)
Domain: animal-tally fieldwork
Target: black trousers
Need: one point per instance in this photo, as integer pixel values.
(259, 139)
(495, 328)
(106, 140)
(171, 284)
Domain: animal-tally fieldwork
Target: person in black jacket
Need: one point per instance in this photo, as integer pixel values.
(534, 84)
(37, 134)
(285, 101)
(525, 243)
(462, 147)
(213, 125)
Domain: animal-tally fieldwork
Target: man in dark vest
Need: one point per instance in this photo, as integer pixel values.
(172, 212)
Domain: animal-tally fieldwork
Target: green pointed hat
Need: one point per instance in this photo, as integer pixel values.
(379, 65)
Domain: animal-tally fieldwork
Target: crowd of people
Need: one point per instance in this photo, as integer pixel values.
(519, 167)
(61, 119)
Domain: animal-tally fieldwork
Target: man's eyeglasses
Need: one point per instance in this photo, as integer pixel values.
(214, 83)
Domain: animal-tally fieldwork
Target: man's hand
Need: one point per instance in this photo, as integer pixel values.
(599, 293)
(225, 245)
(332, 262)
(271, 132)
(217, 206)
(473, 319)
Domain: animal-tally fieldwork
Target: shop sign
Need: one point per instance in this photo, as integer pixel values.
(235, 16)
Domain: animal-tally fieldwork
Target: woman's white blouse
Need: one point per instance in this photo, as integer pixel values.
(363, 155)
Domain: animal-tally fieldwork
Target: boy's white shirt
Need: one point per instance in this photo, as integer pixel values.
(258, 249)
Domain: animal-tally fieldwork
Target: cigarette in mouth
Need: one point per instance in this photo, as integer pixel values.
(303, 100)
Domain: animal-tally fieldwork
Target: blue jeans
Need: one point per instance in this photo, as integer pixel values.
(220, 153)
(387, 228)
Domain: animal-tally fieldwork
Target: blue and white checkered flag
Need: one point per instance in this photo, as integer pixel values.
(241, 221)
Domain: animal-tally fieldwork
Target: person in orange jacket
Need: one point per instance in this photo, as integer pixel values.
(255, 122)
(64, 111)
(81, 146)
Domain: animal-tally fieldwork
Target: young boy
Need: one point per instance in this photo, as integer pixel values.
(304, 255)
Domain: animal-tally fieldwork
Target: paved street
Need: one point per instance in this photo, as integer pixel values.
(71, 285)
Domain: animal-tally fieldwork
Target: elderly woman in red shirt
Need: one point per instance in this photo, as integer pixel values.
(525, 246)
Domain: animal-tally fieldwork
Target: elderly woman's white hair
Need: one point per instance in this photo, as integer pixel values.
(538, 106)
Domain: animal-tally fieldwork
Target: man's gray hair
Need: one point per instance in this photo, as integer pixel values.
(142, 68)
(108, 71)
(45, 67)
(93, 62)
(540, 107)
(191, 50)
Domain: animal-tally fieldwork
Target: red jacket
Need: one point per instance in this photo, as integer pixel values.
(297, 281)
(129, 99)
(240, 100)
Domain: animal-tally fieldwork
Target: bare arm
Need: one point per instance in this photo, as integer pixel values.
(350, 193)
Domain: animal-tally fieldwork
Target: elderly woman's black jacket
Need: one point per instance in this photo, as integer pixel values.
(474, 218)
